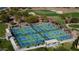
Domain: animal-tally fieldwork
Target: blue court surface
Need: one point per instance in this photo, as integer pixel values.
(36, 34)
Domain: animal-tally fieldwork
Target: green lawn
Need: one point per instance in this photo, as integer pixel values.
(5, 45)
(45, 12)
(2, 29)
(73, 14)
(50, 13)
(59, 20)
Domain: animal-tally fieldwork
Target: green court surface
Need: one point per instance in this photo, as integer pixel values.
(35, 35)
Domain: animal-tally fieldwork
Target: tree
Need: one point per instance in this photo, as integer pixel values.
(5, 14)
(31, 19)
(45, 18)
(15, 12)
(74, 20)
(67, 18)
(75, 43)
(25, 13)
(18, 14)
(4, 18)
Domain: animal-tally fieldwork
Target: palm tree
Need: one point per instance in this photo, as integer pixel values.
(75, 43)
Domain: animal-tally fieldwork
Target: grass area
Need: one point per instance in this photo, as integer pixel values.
(50, 13)
(56, 16)
(5, 45)
(59, 20)
(74, 25)
(2, 29)
(45, 12)
(73, 14)
(40, 49)
(63, 47)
